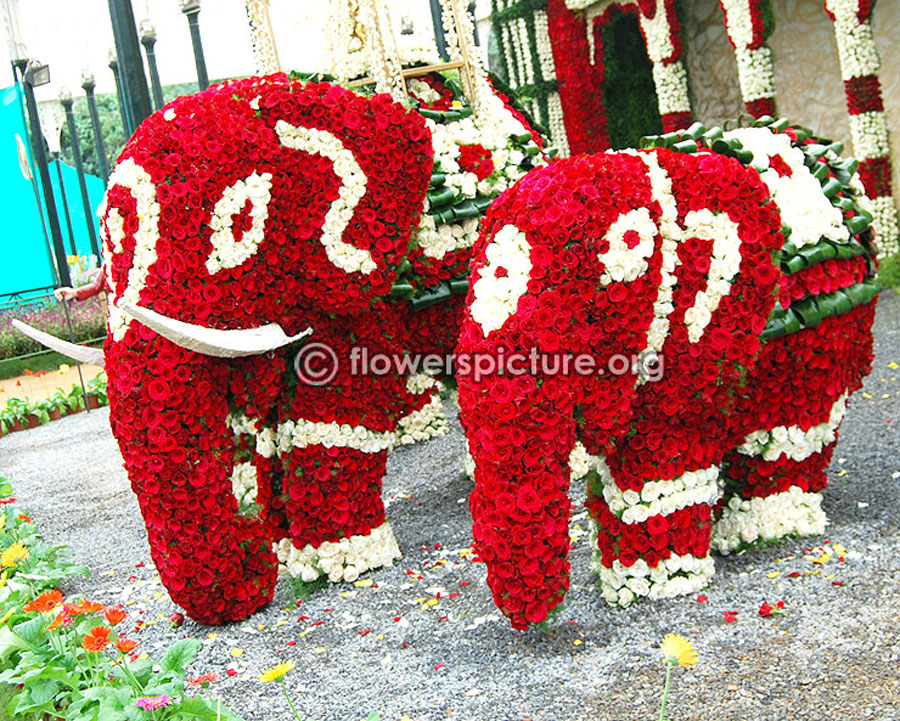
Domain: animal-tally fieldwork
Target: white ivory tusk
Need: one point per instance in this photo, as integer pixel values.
(213, 341)
(80, 353)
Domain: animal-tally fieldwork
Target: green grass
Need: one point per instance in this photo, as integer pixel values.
(889, 272)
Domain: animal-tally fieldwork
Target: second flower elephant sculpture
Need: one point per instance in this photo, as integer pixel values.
(668, 261)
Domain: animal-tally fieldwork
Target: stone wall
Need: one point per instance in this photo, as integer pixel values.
(807, 74)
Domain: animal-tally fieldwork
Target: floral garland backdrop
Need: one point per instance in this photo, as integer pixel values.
(309, 205)
(548, 52)
(860, 64)
(743, 260)
(526, 62)
(561, 39)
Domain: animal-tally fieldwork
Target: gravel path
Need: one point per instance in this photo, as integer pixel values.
(835, 655)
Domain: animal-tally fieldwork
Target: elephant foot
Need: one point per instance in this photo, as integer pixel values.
(653, 543)
(793, 512)
(773, 480)
(674, 576)
(426, 420)
(342, 560)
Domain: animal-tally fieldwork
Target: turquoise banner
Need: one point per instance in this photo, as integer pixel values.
(29, 262)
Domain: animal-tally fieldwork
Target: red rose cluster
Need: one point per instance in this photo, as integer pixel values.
(476, 159)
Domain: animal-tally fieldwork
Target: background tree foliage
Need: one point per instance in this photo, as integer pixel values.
(111, 123)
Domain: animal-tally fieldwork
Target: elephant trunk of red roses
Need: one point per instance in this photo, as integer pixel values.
(168, 412)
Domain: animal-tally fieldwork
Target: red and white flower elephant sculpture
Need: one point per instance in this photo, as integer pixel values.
(668, 264)
(235, 220)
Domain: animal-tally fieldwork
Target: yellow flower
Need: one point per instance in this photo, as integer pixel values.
(678, 650)
(7, 615)
(2, 516)
(13, 555)
(276, 672)
(3, 578)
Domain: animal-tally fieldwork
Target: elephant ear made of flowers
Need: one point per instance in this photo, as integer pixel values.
(236, 219)
(584, 263)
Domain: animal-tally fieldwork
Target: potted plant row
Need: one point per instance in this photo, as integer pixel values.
(22, 413)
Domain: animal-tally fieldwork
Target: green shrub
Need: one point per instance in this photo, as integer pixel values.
(88, 322)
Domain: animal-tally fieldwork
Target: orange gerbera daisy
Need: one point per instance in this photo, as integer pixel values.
(115, 615)
(126, 645)
(47, 602)
(96, 639)
(62, 618)
(84, 606)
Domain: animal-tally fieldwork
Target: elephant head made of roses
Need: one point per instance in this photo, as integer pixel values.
(621, 326)
(234, 221)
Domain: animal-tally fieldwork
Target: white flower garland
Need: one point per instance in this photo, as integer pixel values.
(227, 251)
(460, 43)
(799, 197)
(869, 133)
(522, 27)
(556, 126)
(301, 434)
(343, 560)
(859, 58)
(674, 576)
(744, 521)
(886, 222)
(756, 75)
(658, 34)
(353, 187)
(857, 53)
(543, 47)
(496, 299)
(671, 83)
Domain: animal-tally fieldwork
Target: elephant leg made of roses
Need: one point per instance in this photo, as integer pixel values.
(235, 221)
(596, 272)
